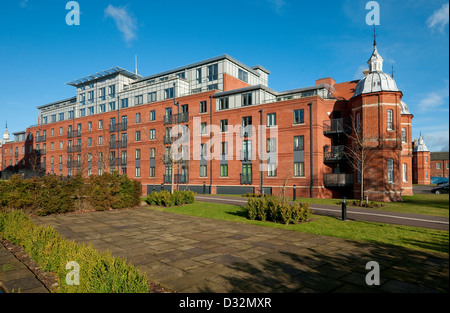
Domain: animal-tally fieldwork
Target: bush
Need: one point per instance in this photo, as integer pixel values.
(167, 199)
(99, 272)
(272, 209)
(50, 194)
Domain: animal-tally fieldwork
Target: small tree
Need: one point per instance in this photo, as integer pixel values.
(359, 152)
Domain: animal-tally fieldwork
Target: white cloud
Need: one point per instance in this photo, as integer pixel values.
(434, 99)
(124, 20)
(277, 5)
(439, 19)
(24, 4)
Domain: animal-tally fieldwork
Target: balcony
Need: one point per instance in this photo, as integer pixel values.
(168, 140)
(333, 153)
(74, 134)
(246, 131)
(73, 164)
(73, 149)
(118, 127)
(335, 126)
(338, 180)
(246, 179)
(118, 144)
(117, 162)
(246, 156)
(41, 151)
(41, 139)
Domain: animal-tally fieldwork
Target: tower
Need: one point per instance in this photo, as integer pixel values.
(376, 108)
(422, 163)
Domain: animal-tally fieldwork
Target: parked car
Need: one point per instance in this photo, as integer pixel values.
(440, 189)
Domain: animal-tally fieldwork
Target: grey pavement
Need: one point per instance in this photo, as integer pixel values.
(15, 277)
(191, 255)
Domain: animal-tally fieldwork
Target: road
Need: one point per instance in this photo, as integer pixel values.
(357, 214)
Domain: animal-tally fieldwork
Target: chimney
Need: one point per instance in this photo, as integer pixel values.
(366, 72)
(328, 80)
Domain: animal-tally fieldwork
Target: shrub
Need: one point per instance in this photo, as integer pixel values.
(284, 213)
(167, 199)
(99, 272)
(273, 205)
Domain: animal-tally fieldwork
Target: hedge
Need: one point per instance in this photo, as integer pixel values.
(99, 272)
(51, 194)
(167, 199)
(273, 210)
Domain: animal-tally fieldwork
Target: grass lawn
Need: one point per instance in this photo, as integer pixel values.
(405, 236)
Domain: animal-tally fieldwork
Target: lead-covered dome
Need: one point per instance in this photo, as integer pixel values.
(376, 80)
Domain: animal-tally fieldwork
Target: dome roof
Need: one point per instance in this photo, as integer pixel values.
(376, 80)
(421, 147)
(404, 107)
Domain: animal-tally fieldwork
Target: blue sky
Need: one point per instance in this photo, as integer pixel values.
(298, 41)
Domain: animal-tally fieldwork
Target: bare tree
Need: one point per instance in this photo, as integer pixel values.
(359, 152)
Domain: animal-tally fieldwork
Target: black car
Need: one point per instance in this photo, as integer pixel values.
(440, 189)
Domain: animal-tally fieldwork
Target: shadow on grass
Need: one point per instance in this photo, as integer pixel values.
(295, 269)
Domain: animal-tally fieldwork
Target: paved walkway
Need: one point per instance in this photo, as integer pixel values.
(15, 276)
(190, 254)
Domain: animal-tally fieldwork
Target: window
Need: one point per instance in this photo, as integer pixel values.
(102, 95)
(203, 107)
(89, 126)
(168, 93)
(82, 112)
(203, 170)
(299, 169)
(90, 142)
(61, 145)
(246, 99)
(152, 171)
(100, 124)
(404, 135)
(213, 71)
(271, 145)
(271, 170)
(447, 165)
(390, 168)
(299, 143)
(112, 91)
(426, 160)
(299, 116)
(138, 135)
(138, 100)
(223, 103)
(390, 120)
(138, 172)
(152, 97)
(100, 140)
(224, 170)
(71, 114)
(152, 116)
(52, 132)
(152, 153)
(405, 172)
(91, 110)
(224, 148)
(199, 76)
(438, 165)
(112, 106)
(61, 131)
(152, 134)
(124, 103)
(138, 118)
(203, 128)
(61, 116)
(358, 122)
(91, 96)
(271, 119)
(138, 154)
(243, 75)
(224, 126)
(82, 99)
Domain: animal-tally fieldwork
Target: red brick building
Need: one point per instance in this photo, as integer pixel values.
(238, 135)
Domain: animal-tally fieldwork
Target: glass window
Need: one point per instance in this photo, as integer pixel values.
(299, 116)
(168, 93)
(390, 165)
(124, 103)
(246, 99)
(404, 135)
(299, 169)
(243, 75)
(224, 170)
(213, 71)
(223, 103)
(405, 172)
(203, 170)
(271, 119)
(299, 143)
(152, 134)
(203, 107)
(390, 120)
(152, 97)
(152, 115)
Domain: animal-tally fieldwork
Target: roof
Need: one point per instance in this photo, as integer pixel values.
(436, 156)
(103, 74)
(211, 60)
(68, 100)
(375, 82)
(421, 147)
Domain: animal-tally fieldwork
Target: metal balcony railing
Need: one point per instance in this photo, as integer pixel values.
(73, 149)
(338, 180)
(118, 144)
(246, 179)
(41, 139)
(118, 127)
(333, 153)
(335, 126)
(74, 134)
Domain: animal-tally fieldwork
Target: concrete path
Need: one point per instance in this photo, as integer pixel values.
(15, 277)
(190, 255)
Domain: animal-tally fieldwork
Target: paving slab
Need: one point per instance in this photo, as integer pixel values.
(191, 254)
